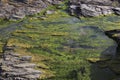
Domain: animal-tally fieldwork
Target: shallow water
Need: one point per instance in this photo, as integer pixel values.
(87, 38)
(82, 41)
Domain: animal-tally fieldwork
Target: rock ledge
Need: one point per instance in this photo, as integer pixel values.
(16, 67)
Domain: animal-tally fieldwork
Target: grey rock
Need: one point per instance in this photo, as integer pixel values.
(55, 2)
(32, 76)
(25, 65)
(116, 10)
(26, 58)
(91, 8)
(95, 10)
(73, 9)
(93, 2)
(16, 16)
(49, 12)
(16, 67)
(16, 10)
(73, 6)
(8, 48)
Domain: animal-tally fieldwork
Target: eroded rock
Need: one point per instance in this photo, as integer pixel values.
(91, 8)
(18, 9)
(95, 10)
(16, 67)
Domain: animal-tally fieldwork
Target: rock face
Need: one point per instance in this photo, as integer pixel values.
(17, 9)
(95, 10)
(91, 8)
(14, 67)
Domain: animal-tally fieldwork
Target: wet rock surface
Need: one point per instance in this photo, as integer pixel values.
(16, 67)
(91, 8)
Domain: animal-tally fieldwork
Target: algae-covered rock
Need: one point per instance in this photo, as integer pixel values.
(94, 60)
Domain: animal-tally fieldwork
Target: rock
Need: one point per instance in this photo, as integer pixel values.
(94, 2)
(116, 11)
(18, 9)
(42, 17)
(92, 8)
(16, 67)
(89, 10)
(74, 9)
(32, 71)
(55, 2)
(97, 2)
(94, 60)
(26, 58)
(49, 12)
(24, 65)
(16, 17)
(50, 1)
(73, 6)
(32, 76)
(8, 48)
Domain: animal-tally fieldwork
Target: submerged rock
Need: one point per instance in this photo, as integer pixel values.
(114, 64)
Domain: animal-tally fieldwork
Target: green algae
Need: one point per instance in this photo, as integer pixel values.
(67, 41)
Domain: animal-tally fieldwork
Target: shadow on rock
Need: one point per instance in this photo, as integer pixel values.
(100, 66)
(107, 66)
